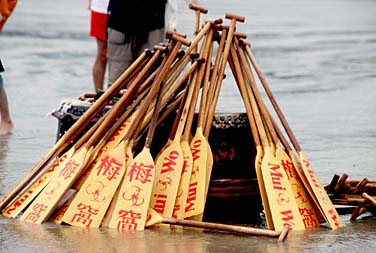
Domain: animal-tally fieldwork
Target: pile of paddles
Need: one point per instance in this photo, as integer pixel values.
(357, 194)
(104, 180)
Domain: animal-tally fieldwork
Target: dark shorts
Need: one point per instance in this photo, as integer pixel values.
(98, 25)
(122, 51)
(1, 83)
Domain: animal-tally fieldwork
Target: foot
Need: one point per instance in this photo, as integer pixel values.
(6, 127)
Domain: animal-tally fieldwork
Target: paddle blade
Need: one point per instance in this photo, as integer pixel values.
(196, 196)
(281, 199)
(261, 184)
(167, 178)
(153, 218)
(307, 212)
(92, 200)
(326, 205)
(184, 181)
(133, 200)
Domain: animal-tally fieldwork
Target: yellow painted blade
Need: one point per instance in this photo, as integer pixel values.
(326, 205)
(128, 159)
(282, 201)
(134, 196)
(42, 207)
(153, 218)
(299, 169)
(261, 184)
(184, 181)
(168, 169)
(307, 212)
(209, 167)
(24, 200)
(196, 197)
(92, 200)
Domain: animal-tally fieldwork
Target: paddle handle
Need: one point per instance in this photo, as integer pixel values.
(252, 88)
(213, 91)
(226, 51)
(272, 99)
(204, 76)
(247, 105)
(250, 96)
(222, 227)
(158, 86)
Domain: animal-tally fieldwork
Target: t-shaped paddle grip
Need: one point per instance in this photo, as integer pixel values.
(245, 43)
(194, 56)
(184, 41)
(198, 8)
(236, 17)
(160, 47)
(200, 60)
(170, 33)
(240, 35)
(221, 27)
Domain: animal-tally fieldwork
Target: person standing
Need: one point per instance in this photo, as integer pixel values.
(98, 30)
(133, 26)
(6, 124)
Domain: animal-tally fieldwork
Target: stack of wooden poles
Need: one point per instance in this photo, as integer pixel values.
(109, 178)
(359, 194)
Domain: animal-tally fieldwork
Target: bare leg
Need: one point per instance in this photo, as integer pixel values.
(6, 124)
(99, 67)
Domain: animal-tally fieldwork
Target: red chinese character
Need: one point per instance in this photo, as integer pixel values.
(84, 215)
(134, 196)
(34, 215)
(299, 193)
(141, 172)
(69, 169)
(289, 168)
(128, 220)
(308, 217)
(109, 168)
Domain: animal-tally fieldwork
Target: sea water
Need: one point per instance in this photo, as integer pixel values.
(319, 58)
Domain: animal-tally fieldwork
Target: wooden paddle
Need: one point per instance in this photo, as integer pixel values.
(302, 198)
(200, 148)
(135, 192)
(196, 145)
(169, 163)
(326, 206)
(190, 196)
(259, 150)
(281, 200)
(74, 131)
(198, 10)
(155, 218)
(198, 175)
